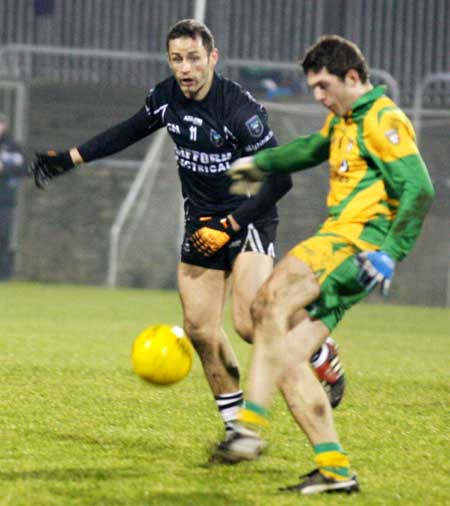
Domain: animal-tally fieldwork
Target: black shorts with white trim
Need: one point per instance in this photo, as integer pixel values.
(258, 237)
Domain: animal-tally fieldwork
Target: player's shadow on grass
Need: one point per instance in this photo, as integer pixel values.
(142, 444)
(71, 474)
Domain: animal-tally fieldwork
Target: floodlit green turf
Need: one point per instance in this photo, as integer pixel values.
(77, 427)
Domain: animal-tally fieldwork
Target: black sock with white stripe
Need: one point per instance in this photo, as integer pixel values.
(228, 405)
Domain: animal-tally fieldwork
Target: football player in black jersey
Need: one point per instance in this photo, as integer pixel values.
(228, 239)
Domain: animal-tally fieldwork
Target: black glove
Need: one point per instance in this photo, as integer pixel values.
(213, 236)
(46, 166)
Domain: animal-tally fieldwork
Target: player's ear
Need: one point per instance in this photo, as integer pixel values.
(352, 77)
(214, 55)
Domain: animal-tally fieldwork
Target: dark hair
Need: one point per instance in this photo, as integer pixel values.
(191, 28)
(337, 55)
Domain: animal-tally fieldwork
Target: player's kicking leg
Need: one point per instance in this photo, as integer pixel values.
(281, 357)
(250, 270)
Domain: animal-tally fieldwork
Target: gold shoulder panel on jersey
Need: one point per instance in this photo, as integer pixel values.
(388, 133)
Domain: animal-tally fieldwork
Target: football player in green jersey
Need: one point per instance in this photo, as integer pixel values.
(380, 192)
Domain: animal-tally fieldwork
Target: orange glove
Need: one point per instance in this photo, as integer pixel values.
(213, 236)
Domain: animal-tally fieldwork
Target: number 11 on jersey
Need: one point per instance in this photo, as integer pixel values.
(193, 133)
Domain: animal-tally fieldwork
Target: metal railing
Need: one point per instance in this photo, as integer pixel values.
(69, 64)
(24, 68)
(418, 111)
(408, 38)
(146, 174)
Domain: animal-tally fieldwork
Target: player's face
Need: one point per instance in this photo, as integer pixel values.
(192, 66)
(335, 94)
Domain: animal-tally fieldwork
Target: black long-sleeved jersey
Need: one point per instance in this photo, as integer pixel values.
(209, 135)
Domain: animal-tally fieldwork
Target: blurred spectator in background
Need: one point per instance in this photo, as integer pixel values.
(272, 84)
(12, 168)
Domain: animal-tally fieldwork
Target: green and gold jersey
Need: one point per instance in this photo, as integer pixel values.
(380, 189)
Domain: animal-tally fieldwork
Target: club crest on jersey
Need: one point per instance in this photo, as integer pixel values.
(392, 136)
(255, 126)
(216, 138)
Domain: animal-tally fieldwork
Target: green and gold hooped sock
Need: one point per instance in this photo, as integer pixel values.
(332, 461)
(254, 415)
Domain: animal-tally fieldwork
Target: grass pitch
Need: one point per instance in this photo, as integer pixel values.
(78, 428)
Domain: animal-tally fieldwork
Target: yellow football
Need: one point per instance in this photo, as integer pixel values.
(162, 354)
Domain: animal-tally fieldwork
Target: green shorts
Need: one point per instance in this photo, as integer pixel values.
(332, 259)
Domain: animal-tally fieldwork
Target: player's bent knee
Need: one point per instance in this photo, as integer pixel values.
(259, 308)
(202, 338)
(266, 307)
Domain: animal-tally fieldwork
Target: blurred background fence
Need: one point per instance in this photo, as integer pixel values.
(71, 68)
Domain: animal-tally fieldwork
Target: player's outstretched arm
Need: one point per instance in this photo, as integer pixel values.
(46, 166)
(247, 177)
(249, 172)
(51, 164)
